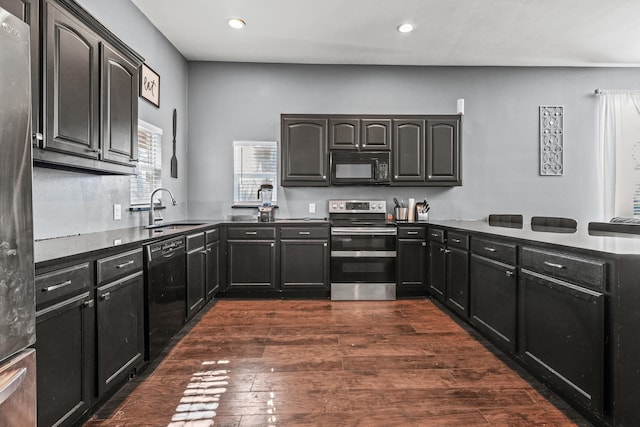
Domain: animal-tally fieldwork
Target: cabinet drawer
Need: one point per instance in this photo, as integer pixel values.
(584, 271)
(412, 232)
(304, 232)
(195, 241)
(500, 251)
(212, 235)
(457, 240)
(119, 265)
(436, 235)
(252, 233)
(65, 282)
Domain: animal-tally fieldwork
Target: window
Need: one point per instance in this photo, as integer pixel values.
(254, 163)
(149, 175)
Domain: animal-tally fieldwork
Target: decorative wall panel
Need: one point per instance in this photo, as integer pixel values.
(551, 140)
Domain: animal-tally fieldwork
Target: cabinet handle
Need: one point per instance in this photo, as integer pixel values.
(106, 296)
(324, 176)
(509, 273)
(203, 252)
(250, 233)
(304, 233)
(446, 251)
(124, 264)
(93, 150)
(272, 244)
(429, 176)
(424, 243)
(456, 240)
(412, 233)
(553, 264)
(88, 304)
(324, 244)
(487, 248)
(58, 286)
(435, 235)
(11, 382)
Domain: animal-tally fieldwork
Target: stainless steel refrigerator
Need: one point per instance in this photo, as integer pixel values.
(17, 299)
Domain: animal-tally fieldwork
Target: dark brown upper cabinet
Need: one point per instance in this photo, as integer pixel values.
(376, 134)
(443, 150)
(344, 134)
(408, 150)
(119, 107)
(305, 157)
(89, 93)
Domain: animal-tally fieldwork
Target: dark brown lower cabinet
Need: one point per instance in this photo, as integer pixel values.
(437, 270)
(304, 263)
(212, 269)
(562, 336)
(251, 264)
(120, 321)
(65, 364)
(196, 273)
(493, 288)
(457, 290)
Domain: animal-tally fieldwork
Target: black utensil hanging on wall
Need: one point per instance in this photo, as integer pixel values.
(174, 160)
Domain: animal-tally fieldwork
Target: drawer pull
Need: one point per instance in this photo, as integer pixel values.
(456, 240)
(58, 286)
(124, 264)
(509, 273)
(250, 233)
(304, 233)
(412, 233)
(435, 235)
(553, 264)
(487, 248)
(446, 251)
(106, 296)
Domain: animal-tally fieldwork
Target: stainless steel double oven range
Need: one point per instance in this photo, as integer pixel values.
(363, 251)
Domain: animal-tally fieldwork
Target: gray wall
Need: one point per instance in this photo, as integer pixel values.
(67, 203)
(235, 101)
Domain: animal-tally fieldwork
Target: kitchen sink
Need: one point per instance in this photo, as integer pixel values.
(160, 228)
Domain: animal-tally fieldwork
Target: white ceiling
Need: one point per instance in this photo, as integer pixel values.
(448, 32)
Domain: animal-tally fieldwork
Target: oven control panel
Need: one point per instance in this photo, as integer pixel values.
(357, 206)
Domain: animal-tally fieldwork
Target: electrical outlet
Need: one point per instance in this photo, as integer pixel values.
(117, 211)
(312, 208)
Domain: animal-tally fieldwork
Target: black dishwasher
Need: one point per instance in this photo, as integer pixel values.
(165, 293)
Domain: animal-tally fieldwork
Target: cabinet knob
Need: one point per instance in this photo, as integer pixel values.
(88, 304)
(38, 136)
(509, 273)
(106, 296)
(424, 243)
(272, 244)
(324, 244)
(324, 176)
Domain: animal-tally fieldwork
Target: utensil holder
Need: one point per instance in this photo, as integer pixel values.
(401, 214)
(423, 216)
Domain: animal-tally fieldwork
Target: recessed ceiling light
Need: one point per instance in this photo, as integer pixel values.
(236, 23)
(406, 28)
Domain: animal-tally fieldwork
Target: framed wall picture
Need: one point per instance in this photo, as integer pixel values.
(150, 85)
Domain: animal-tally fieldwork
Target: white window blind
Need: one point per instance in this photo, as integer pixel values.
(254, 163)
(149, 175)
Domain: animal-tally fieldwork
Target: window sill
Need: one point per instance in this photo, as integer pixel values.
(251, 206)
(144, 208)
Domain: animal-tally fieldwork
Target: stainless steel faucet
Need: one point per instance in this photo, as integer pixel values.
(152, 209)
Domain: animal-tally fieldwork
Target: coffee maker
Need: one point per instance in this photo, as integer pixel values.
(265, 211)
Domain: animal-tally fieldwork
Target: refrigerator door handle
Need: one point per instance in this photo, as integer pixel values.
(11, 382)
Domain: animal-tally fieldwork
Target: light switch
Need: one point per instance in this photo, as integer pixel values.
(312, 208)
(117, 211)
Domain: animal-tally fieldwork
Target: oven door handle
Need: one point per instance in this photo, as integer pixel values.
(363, 254)
(363, 231)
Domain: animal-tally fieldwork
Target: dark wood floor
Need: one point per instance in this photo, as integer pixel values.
(322, 363)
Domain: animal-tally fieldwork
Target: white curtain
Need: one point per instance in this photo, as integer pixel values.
(620, 153)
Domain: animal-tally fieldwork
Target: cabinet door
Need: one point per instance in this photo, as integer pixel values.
(65, 360)
(437, 270)
(493, 300)
(562, 336)
(375, 134)
(443, 151)
(119, 94)
(458, 281)
(305, 158)
(411, 265)
(212, 267)
(71, 75)
(304, 263)
(251, 264)
(120, 330)
(344, 134)
(196, 292)
(408, 150)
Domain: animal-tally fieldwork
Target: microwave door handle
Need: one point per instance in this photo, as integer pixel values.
(376, 166)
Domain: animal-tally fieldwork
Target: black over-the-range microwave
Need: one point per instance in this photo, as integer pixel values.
(360, 168)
